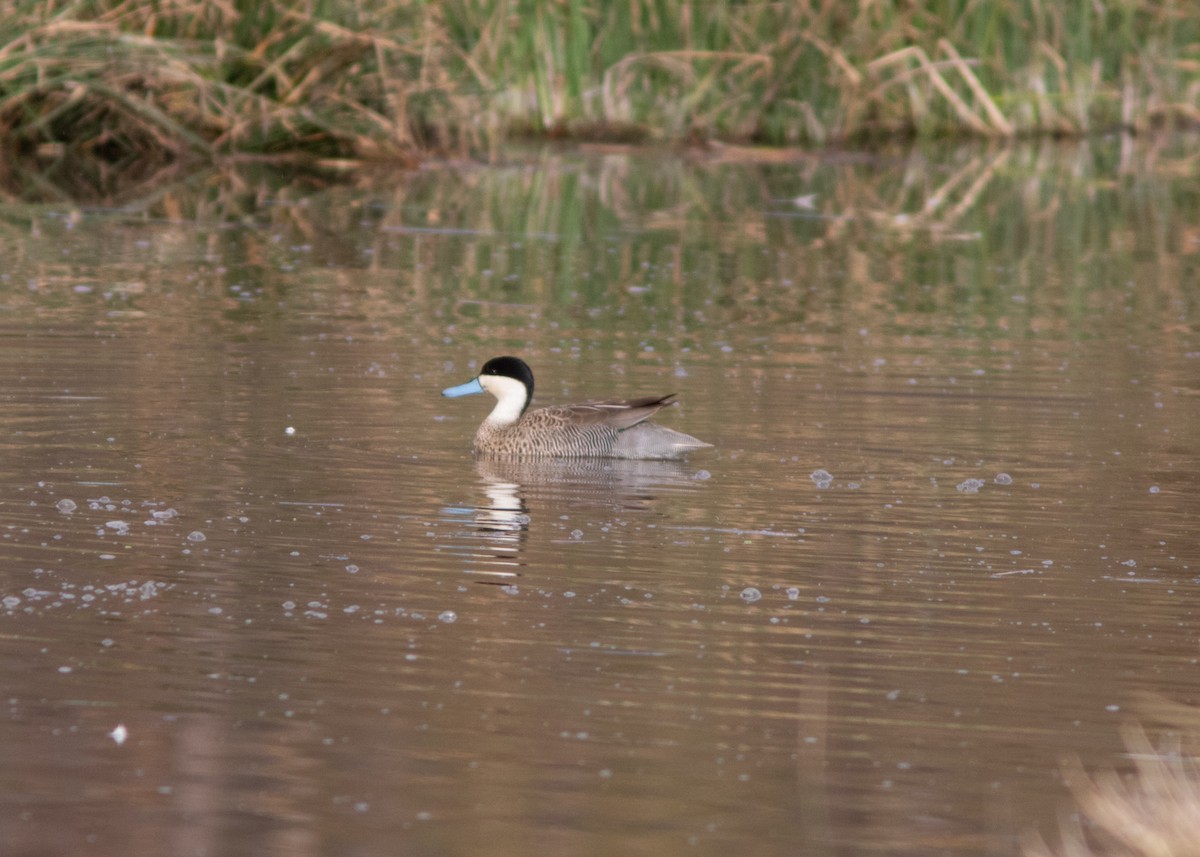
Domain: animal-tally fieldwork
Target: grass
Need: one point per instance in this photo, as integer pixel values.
(134, 82)
(1155, 812)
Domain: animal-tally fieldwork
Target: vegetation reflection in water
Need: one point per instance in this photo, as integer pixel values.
(1045, 243)
(857, 659)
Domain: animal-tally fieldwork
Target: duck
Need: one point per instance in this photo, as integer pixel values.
(613, 428)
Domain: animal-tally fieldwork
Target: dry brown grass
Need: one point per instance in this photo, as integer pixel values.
(1152, 811)
(125, 81)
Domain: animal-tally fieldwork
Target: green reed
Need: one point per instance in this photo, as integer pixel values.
(135, 80)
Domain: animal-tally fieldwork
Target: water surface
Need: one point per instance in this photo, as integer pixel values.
(946, 539)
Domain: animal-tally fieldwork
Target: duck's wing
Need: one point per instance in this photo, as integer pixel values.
(618, 414)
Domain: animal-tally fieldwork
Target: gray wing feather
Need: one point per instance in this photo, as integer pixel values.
(618, 414)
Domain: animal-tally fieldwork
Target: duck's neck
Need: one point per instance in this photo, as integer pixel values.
(511, 399)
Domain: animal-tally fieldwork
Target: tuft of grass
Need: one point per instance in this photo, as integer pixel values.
(126, 81)
(1155, 812)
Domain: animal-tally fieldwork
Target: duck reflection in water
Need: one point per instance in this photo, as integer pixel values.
(555, 492)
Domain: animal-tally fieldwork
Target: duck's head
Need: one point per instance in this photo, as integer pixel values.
(509, 379)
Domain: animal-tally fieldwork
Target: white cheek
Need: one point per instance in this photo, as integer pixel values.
(510, 398)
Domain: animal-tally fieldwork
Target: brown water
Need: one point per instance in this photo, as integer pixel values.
(326, 629)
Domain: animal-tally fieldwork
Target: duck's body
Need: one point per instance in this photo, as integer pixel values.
(616, 428)
(611, 429)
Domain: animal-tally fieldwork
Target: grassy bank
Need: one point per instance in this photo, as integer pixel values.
(136, 82)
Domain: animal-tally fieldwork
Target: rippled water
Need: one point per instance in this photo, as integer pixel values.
(947, 538)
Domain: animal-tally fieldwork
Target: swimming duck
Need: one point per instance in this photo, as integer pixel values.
(616, 428)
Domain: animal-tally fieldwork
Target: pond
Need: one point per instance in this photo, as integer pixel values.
(258, 597)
